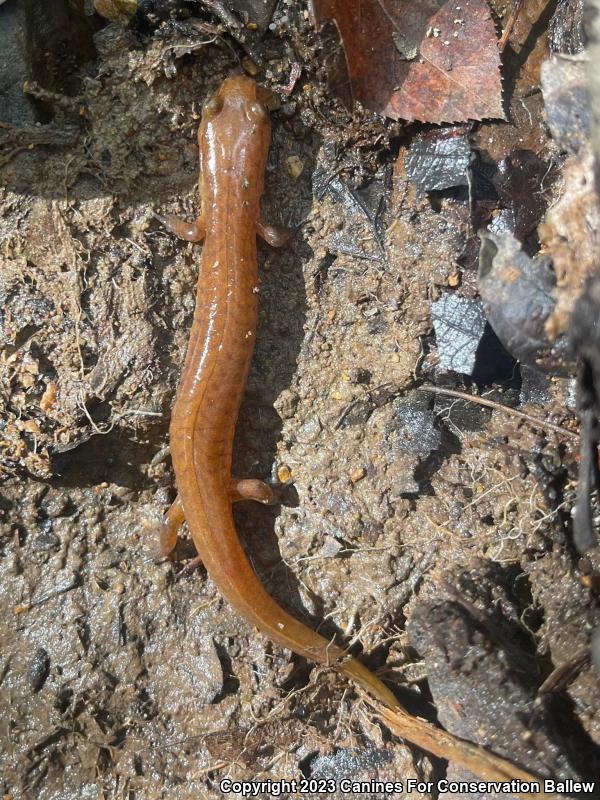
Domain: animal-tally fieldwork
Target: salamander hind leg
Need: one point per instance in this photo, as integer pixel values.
(169, 535)
(172, 522)
(251, 489)
(276, 237)
(190, 231)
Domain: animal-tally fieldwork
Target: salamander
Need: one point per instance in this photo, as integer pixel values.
(234, 139)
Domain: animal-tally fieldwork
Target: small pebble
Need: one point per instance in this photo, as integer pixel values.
(357, 474)
(294, 166)
(248, 65)
(38, 669)
(284, 474)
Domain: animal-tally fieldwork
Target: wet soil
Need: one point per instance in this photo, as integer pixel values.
(404, 510)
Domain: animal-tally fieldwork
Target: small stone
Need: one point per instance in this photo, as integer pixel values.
(310, 431)
(46, 541)
(38, 669)
(357, 474)
(29, 425)
(331, 548)
(286, 404)
(284, 474)
(294, 166)
(248, 65)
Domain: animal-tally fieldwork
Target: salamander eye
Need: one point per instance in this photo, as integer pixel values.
(257, 111)
(212, 107)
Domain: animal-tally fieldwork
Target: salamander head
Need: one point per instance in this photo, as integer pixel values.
(236, 102)
(233, 138)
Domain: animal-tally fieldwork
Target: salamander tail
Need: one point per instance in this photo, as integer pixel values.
(370, 683)
(475, 759)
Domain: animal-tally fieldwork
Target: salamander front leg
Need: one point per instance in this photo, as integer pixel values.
(190, 231)
(251, 489)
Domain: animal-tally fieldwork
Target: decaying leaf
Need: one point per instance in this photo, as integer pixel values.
(567, 100)
(570, 234)
(518, 297)
(439, 159)
(428, 60)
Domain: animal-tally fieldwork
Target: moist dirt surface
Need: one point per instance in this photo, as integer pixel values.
(429, 534)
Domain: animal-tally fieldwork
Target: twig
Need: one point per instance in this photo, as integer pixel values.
(510, 24)
(62, 588)
(561, 676)
(13, 139)
(473, 398)
(233, 25)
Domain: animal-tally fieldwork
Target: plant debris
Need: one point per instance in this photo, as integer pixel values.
(434, 62)
(438, 160)
(567, 101)
(518, 296)
(459, 325)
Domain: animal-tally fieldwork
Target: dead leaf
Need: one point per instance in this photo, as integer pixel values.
(570, 235)
(428, 60)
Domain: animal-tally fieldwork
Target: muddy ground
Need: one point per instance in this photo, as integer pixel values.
(430, 534)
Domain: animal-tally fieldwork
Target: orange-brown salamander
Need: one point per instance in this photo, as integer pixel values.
(234, 138)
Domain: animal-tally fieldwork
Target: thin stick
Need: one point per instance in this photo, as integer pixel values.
(473, 398)
(233, 25)
(508, 28)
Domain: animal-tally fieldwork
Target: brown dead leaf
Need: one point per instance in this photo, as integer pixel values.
(427, 60)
